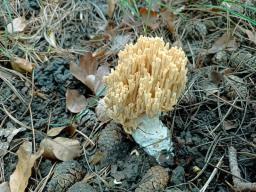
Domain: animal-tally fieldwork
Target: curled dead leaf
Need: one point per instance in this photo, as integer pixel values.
(225, 42)
(17, 25)
(169, 19)
(22, 65)
(61, 148)
(57, 130)
(88, 72)
(227, 124)
(75, 102)
(26, 160)
(216, 77)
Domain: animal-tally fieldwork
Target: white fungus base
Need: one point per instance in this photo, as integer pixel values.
(153, 137)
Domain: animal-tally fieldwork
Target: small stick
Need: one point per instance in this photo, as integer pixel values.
(239, 185)
(85, 136)
(212, 175)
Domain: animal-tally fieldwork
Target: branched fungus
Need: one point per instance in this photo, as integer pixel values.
(148, 80)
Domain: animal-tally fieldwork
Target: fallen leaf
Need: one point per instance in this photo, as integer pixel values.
(251, 35)
(6, 136)
(229, 125)
(169, 18)
(22, 65)
(75, 102)
(17, 25)
(216, 77)
(225, 42)
(26, 159)
(85, 72)
(209, 87)
(88, 72)
(111, 7)
(88, 63)
(4, 187)
(61, 148)
(56, 131)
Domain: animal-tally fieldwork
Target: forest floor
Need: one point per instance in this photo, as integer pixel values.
(50, 136)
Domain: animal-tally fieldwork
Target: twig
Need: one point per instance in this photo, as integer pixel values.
(207, 157)
(85, 136)
(212, 175)
(223, 119)
(40, 187)
(239, 185)
(14, 119)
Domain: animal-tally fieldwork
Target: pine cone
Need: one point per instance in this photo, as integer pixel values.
(243, 60)
(110, 137)
(112, 143)
(81, 187)
(154, 180)
(65, 174)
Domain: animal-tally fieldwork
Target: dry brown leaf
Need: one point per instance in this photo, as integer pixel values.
(75, 102)
(22, 65)
(216, 77)
(88, 72)
(225, 42)
(56, 131)
(251, 35)
(169, 18)
(4, 187)
(111, 7)
(88, 63)
(17, 25)
(26, 159)
(229, 125)
(61, 148)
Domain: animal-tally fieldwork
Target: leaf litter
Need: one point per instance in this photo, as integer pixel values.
(26, 160)
(22, 65)
(89, 73)
(75, 102)
(225, 42)
(61, 148)
(8, 134)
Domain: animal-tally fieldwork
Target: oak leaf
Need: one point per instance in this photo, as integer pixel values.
(61, 148)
